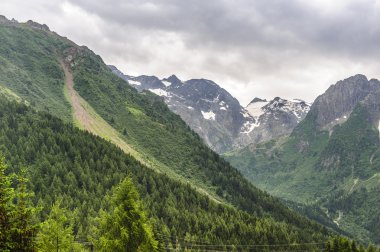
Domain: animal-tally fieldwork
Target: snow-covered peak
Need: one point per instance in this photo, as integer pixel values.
(296, 107)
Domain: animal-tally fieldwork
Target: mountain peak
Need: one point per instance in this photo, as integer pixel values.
(340, 99)
(5, 20)
(257, 99)
(358, 76)
(173, 80)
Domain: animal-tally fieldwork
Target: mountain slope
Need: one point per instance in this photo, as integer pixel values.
(330, 158)
(142, 120)
(217, 116)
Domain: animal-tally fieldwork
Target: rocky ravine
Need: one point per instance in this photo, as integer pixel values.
(217, 116)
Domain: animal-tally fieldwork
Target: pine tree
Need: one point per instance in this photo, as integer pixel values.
(25, 227)
(125, 227)
(56, 232)
(6, 208)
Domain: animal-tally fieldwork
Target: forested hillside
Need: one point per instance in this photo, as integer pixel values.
(80, 168)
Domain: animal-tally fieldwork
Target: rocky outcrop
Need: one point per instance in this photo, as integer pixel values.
(36, 25)
(336, 104)
(5, 21)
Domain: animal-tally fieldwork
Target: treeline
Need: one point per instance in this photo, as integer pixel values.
(342, 244)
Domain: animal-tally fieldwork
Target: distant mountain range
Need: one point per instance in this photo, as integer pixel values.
(217, 116)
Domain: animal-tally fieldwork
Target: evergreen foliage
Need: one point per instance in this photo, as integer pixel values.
(342, 244)
(17, 223)
(56, 233)
(124, 226)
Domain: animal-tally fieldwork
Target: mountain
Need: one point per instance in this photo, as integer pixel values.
(217, 116)
(273, 119)
(331, 159)
(189, 191)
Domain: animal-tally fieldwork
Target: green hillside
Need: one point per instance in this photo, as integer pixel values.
(337, 172)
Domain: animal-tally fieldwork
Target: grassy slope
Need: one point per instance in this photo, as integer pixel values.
(331, 171)
(149, 126)
(29, 67)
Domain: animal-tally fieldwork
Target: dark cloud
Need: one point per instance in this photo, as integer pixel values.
(251, 47)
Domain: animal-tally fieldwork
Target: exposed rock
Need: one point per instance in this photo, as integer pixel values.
(336, 104)
(36, 25)
(217, 116)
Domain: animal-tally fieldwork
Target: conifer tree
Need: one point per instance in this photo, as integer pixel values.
(24, 226)
(56, 232)
(125, 227)
(6, 208)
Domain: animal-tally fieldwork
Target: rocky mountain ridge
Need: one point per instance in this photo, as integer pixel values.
(217, 116)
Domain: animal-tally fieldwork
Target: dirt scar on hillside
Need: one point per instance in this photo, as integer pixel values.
(80, 114)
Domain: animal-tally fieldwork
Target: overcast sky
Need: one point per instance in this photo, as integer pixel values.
(264, 48)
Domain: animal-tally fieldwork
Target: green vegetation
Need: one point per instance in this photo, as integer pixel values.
(56, 232)
(125, 226)
(345, 245)
(17, 227)
(30, 70)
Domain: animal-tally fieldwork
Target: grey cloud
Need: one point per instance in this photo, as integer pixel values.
(245, 23)
(251, 47)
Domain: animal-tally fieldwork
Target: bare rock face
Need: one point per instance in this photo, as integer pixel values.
(217, 116)
(36, 25)
(5, 21)
(336, 104)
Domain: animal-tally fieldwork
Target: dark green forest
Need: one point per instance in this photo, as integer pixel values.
(79, 169)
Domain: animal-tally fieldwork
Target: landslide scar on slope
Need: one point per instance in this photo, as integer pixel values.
(80, 114)
(85, 117)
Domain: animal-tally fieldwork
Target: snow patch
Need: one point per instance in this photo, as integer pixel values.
(208, 115)
(133, 82)
(223, 108)
(248, 127)
(159, 92)
(166, 83)
(256, 109)
(191, 108)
